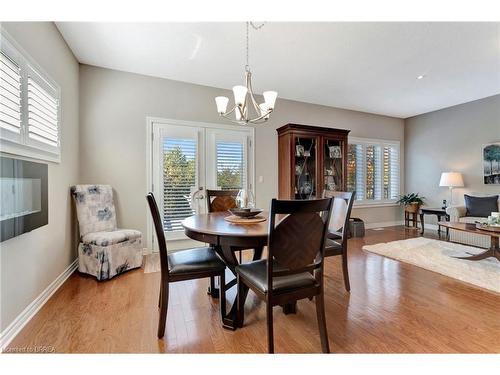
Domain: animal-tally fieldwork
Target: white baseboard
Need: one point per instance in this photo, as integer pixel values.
(383, 224)
(25, 316)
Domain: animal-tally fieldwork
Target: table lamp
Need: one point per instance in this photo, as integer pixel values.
(451, 180)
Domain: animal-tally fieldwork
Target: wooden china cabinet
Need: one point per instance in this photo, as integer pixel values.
(311, 159)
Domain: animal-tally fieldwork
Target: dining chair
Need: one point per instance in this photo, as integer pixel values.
(336, 243)
(294, 267)
(183, 265)
(220, 201)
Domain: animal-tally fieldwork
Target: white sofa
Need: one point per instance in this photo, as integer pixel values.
(458, 213)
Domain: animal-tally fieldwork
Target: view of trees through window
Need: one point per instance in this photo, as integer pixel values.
(179, 177)
(230, 165)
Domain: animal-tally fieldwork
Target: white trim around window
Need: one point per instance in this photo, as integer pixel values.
(30, 105)
(374, 171)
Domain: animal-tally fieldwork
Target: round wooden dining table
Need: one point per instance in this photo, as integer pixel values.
(227, 239)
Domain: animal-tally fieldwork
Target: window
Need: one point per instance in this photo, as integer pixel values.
(230, 165)
(373, 170)
(179, 175)
(29, 106)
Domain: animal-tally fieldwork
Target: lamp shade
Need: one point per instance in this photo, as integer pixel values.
(270, 98)
(451, 179)
(240, 93)
(221, 102)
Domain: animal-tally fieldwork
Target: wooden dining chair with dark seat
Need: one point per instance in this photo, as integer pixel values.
(336, 243)
(220, 201)
(294, 267)
(183, 265)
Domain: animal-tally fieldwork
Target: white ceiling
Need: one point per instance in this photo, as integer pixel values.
(369, 67)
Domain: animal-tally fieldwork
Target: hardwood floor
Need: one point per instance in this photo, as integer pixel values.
(393, 307)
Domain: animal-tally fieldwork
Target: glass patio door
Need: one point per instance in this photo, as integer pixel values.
(178, 174)
(186, 160)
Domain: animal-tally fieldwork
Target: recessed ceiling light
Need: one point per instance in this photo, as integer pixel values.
(421, 76)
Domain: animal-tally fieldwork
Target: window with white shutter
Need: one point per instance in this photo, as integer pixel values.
(373, 170)
(179, 180)
(43, 107)
(29, 105)
(231, 169)
(10, 95)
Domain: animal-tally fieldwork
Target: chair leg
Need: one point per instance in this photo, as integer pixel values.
(222, 295)
(213, 291)
(345, 271)
(270, 334)
(159, 298)
(320, 312)
(240, 307)
(163, 310)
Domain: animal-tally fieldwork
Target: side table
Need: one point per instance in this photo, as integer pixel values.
(439, 212)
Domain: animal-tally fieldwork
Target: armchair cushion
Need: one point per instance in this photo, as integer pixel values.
(94, 208)
(481, 206)
(110, 238)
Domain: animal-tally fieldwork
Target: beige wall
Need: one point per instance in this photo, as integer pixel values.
(450, 139)
(30, 262)
(113, 110)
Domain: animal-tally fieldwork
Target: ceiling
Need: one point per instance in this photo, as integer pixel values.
(370, 67)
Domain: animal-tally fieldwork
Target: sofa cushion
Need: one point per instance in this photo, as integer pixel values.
(481, 206)
(472, 219)
(111, 237)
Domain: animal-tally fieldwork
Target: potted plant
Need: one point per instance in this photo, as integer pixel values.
(411, 201)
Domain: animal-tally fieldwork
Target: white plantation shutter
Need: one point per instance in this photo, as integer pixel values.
(373, 170)
(231, 167)
(29, 105)
(43, 106)
(179, 178)
(10, 95)
(391, 172)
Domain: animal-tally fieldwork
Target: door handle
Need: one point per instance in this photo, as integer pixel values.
(195, 194)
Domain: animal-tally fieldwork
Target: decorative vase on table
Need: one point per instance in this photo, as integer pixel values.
(245, 199)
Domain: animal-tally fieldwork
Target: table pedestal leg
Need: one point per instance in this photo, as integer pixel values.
(493, 251)
(230, 321)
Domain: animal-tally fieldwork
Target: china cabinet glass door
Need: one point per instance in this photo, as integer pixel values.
(305, 167)
(333, 165)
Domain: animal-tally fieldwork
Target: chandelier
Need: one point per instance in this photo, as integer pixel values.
(244, 98)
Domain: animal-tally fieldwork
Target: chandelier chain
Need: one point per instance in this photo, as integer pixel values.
(255, 27)
(247, 66)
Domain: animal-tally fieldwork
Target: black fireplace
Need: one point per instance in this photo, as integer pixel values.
(23, 197)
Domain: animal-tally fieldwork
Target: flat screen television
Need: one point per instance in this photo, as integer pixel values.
(23, 196)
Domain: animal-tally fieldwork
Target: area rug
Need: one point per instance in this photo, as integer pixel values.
(438, 256)
(152, 263)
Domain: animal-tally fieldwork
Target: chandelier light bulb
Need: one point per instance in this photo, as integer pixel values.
(221, 102)
(240, 94)
(270, 98)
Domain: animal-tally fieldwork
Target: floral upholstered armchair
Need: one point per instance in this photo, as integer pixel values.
(104, 251)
